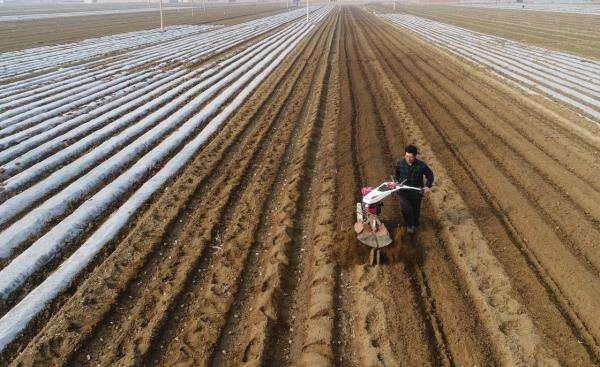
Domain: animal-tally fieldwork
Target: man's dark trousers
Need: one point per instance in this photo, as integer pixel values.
(410, 205)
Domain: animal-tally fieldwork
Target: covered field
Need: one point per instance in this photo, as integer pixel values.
(206, 218)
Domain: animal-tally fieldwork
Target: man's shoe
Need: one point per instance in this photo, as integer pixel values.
(410, 229)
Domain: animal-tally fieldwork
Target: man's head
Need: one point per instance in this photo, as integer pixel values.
(410, 154)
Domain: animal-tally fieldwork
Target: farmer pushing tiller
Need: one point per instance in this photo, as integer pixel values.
(408, 182)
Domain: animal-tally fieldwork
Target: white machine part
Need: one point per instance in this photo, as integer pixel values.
(369, 228)
(384, 190)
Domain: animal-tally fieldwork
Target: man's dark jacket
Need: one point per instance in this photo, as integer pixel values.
(414, 174)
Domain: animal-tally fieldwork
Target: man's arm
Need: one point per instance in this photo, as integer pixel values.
(400, 173)
(428, 175)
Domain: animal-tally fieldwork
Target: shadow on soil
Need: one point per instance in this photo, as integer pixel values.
(405, 248)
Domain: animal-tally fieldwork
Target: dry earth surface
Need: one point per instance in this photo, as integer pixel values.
(8, 9)
(578, 34)
(18, 35)
(249, 257)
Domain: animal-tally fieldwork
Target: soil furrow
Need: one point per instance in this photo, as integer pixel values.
(500, 338)
(414, 260)
(364, 318)
(551, 172)
(20, 35)
(248, 256)
(581, 240)
(418, 106)
(504, 188)
(374, 162)
(131, 253)
(251, 307)
(203, 299)
(292, 311)
(513, 130)
(322, 344)
(210, 222)
(73, 245)
(561, 217)
(574, 33)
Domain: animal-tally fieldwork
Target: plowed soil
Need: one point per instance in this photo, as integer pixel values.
(249, 256)
(20, 35)
(577, 34)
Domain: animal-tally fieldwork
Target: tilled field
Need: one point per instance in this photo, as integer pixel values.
(570, 79)
(574, 33)
(249, 257)
(18, 35)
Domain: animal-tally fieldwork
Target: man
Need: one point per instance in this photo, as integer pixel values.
(411, 171)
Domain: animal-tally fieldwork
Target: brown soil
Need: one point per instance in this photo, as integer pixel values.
(578, 34)
(43, 32)
(249, 256)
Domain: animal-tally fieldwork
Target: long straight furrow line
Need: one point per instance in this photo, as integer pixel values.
(26, 17)
(576, 34)
(409, 82)
(38, 128)
(321, 334)
(368, 341)
(371, 333)
(178, 101)
(27, 134)
(245, 85)
(503, 351)
(17, 36)
(581, 8)
(47, 85)
(580, 245)
(255, 307)
(188, 253)
(558, 75)
(26, 108)
(543, 26)
(170, 50)
(43, 108)
(121, 268)
(14, 63)
(253, 345)
(204, 228)
(413, 290)
(318, 344)
(543, 169)
(35, 221)
(299, 202)
(393, 138)
(121, 112)
(212, 224)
